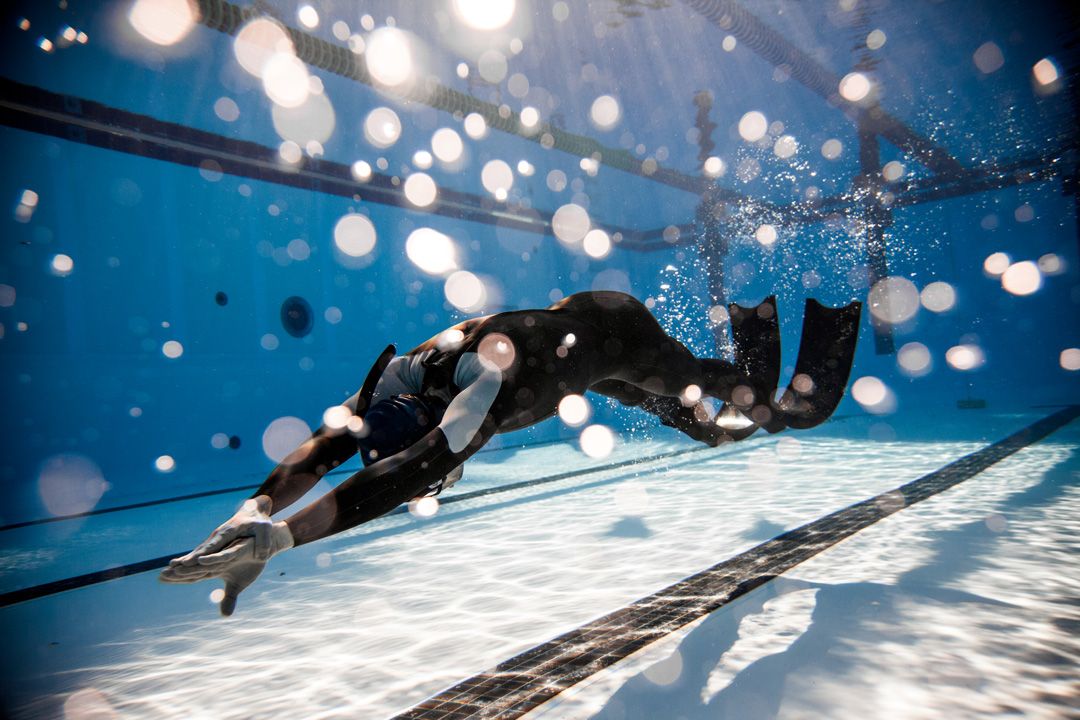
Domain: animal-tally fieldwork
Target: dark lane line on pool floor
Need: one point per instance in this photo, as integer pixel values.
(533, 677)
(72, 583)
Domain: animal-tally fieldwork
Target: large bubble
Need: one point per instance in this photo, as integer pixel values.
(382, 127)
(258, 41)
(570, 223)
(70, 484)
(431, 251)
(313, 120)
(389, 56)
(163, 22)
(284, 435)
(354, 235)
(894, 300)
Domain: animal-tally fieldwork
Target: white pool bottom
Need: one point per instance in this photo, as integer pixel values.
(369, 623)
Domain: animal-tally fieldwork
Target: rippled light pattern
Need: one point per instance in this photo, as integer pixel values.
(431, 251)
(163, 22)
(354, 235)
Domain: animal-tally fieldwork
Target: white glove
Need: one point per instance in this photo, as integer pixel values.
(251, 520)
(238, 564)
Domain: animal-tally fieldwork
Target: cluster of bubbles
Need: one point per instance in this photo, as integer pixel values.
(66, 36)
(1024, 277)
(896, 300)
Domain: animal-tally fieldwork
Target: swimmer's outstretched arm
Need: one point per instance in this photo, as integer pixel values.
(324, 450)
(306, 465)
(466, 426)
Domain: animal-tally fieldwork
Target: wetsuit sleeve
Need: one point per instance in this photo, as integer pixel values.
(324, 450)
(377, 489)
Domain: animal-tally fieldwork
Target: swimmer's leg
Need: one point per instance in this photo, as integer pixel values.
(694, 420)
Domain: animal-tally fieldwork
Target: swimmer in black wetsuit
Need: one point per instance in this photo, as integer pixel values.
(419, 416)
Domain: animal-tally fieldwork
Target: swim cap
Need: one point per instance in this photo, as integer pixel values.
(396, 423)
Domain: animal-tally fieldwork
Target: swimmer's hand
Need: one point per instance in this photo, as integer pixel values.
(238, 565)
(251, 520)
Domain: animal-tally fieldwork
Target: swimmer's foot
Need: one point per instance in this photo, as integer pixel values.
(756, 334)
(826, 354)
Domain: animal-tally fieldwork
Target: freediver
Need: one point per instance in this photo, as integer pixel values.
(418, 417)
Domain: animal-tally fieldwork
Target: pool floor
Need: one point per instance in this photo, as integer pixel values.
(962, 605)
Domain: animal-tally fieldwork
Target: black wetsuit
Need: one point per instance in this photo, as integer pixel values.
(605, 342)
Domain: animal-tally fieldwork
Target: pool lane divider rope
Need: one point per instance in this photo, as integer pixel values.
(80, 120)
(72, 583)
(525, 681)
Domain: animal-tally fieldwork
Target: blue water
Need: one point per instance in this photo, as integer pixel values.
(92, 398)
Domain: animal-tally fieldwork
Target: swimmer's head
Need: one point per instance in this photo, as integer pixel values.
(396, 423)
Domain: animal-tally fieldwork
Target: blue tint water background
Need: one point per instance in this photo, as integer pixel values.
(153, 242)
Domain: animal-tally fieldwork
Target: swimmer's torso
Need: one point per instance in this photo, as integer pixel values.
(576, 340)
